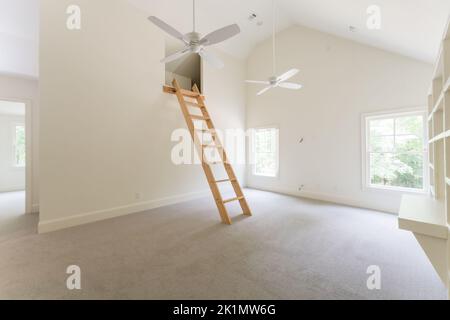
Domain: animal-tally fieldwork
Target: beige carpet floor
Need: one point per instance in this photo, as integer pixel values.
(290, 249)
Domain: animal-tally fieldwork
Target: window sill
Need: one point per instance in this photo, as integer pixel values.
(375, 188)
(18, 168)
(264, 176)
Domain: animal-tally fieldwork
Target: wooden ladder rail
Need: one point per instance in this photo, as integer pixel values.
(220, 202)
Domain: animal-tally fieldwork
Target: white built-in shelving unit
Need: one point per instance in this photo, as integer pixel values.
(428, 217)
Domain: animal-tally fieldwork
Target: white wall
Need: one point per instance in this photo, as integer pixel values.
(11, 178)
(26, 90)
(106, 124)
(342, 80)
(226, 101)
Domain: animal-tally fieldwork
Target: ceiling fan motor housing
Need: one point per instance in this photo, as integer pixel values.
(193, 40)
(273, 81)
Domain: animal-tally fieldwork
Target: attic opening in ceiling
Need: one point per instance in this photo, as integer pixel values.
(186, 70)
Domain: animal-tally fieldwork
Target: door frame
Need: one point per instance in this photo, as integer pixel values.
(29, 151)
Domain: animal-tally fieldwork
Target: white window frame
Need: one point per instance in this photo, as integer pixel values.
(277, 151)
(389, 114)
(13, 136)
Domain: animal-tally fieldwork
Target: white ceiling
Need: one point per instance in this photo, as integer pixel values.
(12, 108)
(19, 36)
(409, 27)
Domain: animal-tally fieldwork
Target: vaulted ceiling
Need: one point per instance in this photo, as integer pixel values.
(409, 27)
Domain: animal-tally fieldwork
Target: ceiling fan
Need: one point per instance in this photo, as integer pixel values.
(193, 41)
(280, 81)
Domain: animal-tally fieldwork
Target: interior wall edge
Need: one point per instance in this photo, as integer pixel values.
(35, 208)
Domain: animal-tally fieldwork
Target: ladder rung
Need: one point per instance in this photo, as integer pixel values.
(198, 117)
(225, 180)
(233, 199)
(184, 92)
(205, 130)
(211, 146)
(188, 93)
(212, 163)
(193, 104)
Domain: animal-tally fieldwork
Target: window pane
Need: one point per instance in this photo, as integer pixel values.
(265, 164)
(410, 172)
(382, 169)
(408, 143)
(263, 141)
(397, 170)
(265, 152)
(409, 125)
(19, 146)
(381, 144)
(381, 127)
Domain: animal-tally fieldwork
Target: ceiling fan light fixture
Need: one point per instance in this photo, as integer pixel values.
(194, 42)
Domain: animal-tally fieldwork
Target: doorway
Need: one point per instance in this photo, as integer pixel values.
(15, 159)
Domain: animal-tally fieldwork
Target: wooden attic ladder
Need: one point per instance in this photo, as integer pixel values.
(199, 103)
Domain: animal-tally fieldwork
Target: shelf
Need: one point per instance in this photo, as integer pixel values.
(437, 72)
(426, 215)
(447, 31)
(440, 136)
(438, 106)
(423, 215)
(446, 86)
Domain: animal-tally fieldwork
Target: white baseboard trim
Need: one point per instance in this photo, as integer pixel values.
(84, 218)
(330, 198)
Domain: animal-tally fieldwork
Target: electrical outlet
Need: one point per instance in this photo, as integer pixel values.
(300, 188)
(138, 196)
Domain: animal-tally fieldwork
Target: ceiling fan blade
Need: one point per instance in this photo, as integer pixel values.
(220, 35)
(287, 75)
(290, 85)
(263, 90)
(165, 27)
(176, 55)
(258, 82)
(211, 59)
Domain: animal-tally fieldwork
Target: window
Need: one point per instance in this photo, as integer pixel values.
(395, 152)
(265, 152)
(19, 145)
